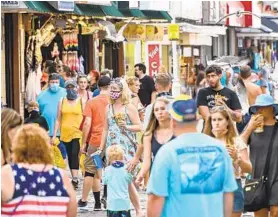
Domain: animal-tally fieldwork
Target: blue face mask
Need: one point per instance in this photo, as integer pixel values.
(54, 87)
(71, 94)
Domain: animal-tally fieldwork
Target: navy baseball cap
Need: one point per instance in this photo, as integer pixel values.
(183, 109)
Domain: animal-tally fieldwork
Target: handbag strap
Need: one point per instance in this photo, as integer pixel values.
(30, 187)
(123, 131)
(268, 157)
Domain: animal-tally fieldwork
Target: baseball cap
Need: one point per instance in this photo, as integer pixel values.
(53, 76)
(104, 81)
(183, 109)
(70, 82)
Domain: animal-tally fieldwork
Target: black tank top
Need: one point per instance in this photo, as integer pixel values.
(156, 145)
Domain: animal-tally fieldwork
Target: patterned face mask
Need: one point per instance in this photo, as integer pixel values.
(115, 95)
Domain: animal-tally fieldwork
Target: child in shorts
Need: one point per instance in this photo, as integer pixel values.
(117, 179)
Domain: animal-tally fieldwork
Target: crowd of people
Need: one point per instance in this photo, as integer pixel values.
(190, 153)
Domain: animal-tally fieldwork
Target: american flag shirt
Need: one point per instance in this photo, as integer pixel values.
(36, 194)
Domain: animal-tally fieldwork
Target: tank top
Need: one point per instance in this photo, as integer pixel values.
(44, 194)
(71, 120)
(155, 145)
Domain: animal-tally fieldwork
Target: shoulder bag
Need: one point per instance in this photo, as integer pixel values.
(255, 190)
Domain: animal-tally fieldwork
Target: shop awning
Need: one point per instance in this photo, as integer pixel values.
(91, 10)
(111, 11)
(157, 15)
(79, 9)
(45, 7)
(271, 23)
(132, 13)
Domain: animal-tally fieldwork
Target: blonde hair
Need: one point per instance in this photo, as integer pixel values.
(9, 119)
(126, 96)
(32, 145)
(153, 123)
(131, 80)
(32, 105)
(232, 131)
(162, 69)
(115, 152)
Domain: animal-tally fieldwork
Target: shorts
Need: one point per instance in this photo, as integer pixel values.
(63, 149)
(89, 165)
(238, 198)
(125, 213)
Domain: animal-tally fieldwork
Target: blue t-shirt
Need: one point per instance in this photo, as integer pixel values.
(117, 181)
(192, 172)
(48, 103)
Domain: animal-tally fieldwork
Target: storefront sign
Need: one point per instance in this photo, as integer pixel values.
(173, 32)
(153, 57)
(154, 33)
(135, 32)
(9, 3)
(66, 5)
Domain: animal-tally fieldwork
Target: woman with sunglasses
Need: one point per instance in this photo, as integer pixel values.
(83, 84)
(221, 126)
(159, 131)
(120, 128)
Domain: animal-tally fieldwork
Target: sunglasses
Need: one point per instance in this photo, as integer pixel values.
(118, 82)
(218, 108)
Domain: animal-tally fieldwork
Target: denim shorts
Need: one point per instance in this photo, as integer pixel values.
(238, 198)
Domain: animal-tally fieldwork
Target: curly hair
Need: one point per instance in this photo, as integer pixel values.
(214, 68)
(115, 152)
(10, 119)
(32, 145)
(232, 131)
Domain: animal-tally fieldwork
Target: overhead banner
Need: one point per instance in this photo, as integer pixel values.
(154, 33)
(153, 57)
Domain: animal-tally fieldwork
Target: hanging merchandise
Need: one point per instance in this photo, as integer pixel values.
(33, 85)
(38, 53)
(81, 65)
(55, 52)
(70, 54)
(30, 53)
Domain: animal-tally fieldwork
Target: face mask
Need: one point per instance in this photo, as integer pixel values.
(71, 94)
(34, 113)
(115, 95)
(54, 87)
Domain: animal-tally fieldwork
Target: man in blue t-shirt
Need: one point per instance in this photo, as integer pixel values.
(193, 174)
(48, 101)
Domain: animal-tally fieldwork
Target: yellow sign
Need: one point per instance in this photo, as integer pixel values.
(135, 32)
(154, 33)
(88, 30)
(173, 32)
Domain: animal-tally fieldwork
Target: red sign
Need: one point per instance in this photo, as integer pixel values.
(241, 20)
(153, 57)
